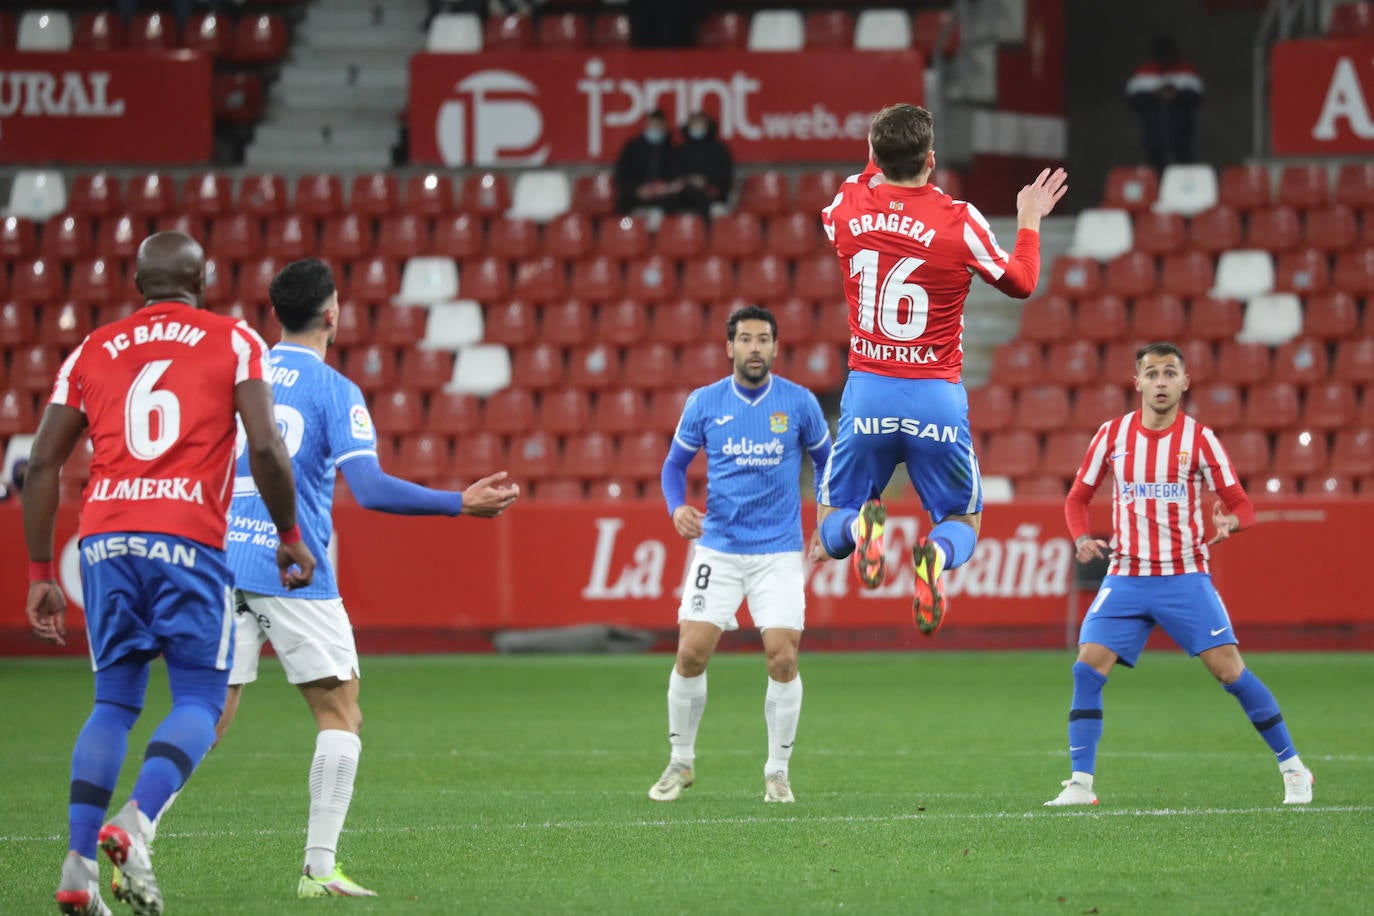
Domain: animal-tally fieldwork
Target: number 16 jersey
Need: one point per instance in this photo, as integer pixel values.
(157, 389)
(908, 256)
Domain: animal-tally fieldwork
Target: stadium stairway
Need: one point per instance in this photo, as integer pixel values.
(991, 318)
(338, 102)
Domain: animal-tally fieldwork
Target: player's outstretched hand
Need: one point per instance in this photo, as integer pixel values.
(1225, 523)
(47, 611)
(1091, 548)
(687, 520)
(296, 564)
(1038, 198)
(487, 498)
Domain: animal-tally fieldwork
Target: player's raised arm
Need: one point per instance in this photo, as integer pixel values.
(271, 467)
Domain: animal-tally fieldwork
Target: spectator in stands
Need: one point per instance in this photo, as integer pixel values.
(656, 24)
(644, 170)
(1165, 91)
(704, 165)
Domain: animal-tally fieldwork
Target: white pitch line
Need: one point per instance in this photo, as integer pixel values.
(765, 821)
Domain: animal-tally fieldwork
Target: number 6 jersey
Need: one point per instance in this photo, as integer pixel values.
(157, 389)
(908, 256)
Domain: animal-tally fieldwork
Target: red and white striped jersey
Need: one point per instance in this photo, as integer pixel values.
(1157, 520)
(908, 256)
(157, 389)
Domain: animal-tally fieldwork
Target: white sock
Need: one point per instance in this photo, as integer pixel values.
(781, 710)
(1083, 779)
(1292, 764)
(686, 703)
(331, 789)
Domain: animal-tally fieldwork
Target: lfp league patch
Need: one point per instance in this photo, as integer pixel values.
(360, 423)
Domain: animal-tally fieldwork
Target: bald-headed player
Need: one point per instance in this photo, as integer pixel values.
(158, 392)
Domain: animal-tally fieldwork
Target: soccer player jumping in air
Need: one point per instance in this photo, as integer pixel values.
(1159, 459)
(909, 252)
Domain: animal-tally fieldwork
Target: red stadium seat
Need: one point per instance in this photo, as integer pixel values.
(830, 29)
(33, 370)
(1159, 233)
(1101, 318)
(1096, 403)
(1303, 362)
(373, 367)
(1329, 405)
(318, 195)
(796, 319)
(1156, 317)
(376, 194)
(1303, 271)
(95, 194)
(455, 236)
(151, 196)
(1275, 229)
(260, 39)
(594, 194)
(623, 237)
(486, 193)
(539, 280)
(97, 32)
(558, 489)
(652, 279)
(1330, 228)
(452, 414)
(1351, 20)
(1300, 452)
(610, 30)
(1018, 364)
(401, 326)
(763, 279)
(485, 279)
(618, 412)
(710, 277)
(623, 322)
(1303, 187)
(736, 236)
(1046, 319)
(794, 235)
(705, 362)
(237, 98)
(820, 278)
(430, 194)
(1199, 360)
(1187, 274)
(1072, 362)
(665, 408)
(641, 455)
(680, 321)
(1266, 487)
(291, 237)
(374, 281)
(355, 326)
(596, 279)
(508, 33)
(66, 238)
(17, 414)
(533, 456)
(152, 32)
(37, 282)
(1217, 404)
(509, 411)
(1073, 277)
(1355, 272)
(65, 325)
(1131, 187)
(817, 366)
(764, 193)
(816, 191)
(1216, 230)
(16, 326)
(212, 34)
(347, 237)
(1330, 316)
(512, 239)
(95, 281)
(681, 236)
(596, 367)
(652, 365)
(724, 31)
(255, 277)
(1355, 360)
(219, 281)
(1245, 187)
(1242, 363)
(991, 408)
(561, 30)
(511, 323)
(1214, 319)
(588, 456)
(926, 28)
(565, 411)
(1015, 453)
(423, 458)
(1131, 274)
(1063, 454)
(567, 323)
(1248, 450)
(569, 236)
(477, 454)
(262, 196)
(1355, 185)
(235, 237)
(398, 413)
(1273, 406)
(18, 241)
(1043, 408)
(1353, 452)
(1329, 486)
(540, 366)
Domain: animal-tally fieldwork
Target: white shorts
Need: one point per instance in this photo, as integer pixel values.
(774, 583)
(312, 636)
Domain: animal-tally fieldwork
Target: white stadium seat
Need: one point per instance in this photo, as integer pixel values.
(777, 30)
(428, 281)
(882, 30)
(455, 33)
(37, 194)
(1187, 189)
(1272, 319)
(1243, 274)
(540, 196)
(44, 30)
(1102, 234)
(482, 370)
(997, 489)
(451, 325)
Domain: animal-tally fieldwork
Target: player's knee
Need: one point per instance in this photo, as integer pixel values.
(691, 663)
(782, 668)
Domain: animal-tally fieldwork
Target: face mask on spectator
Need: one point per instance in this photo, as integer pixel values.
(697, 131)
(655, 134)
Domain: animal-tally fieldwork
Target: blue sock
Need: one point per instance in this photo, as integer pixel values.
(1085, 717)
(957, 540)
(100, 748)
(836, 536)
(182, 739)
(1259, 704)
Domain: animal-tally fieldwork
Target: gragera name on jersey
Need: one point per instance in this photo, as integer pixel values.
(147, 488)
(1029, 564)
(1176, 492)
(913, 229)
(748, 453)
(152, 548)
(174, 331)
(891, 353)
(873, 426)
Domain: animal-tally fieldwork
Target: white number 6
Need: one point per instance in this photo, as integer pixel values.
(143, 403)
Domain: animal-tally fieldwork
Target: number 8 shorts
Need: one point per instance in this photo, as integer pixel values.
(312, 636)
(774, 584)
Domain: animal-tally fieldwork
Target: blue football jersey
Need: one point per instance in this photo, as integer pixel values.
(325, 422)
(753, 453)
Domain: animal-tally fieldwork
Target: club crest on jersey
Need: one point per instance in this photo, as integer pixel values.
(777, 423)
(895, 205)
(1184, 457)
(359, 422)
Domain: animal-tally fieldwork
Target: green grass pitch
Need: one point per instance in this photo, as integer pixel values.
(517, 785)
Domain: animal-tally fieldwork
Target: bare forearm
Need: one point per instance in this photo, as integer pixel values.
(40, 510)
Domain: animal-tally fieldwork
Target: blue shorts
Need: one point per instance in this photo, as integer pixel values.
(922, 423)
(1127, 608)
(150, 594)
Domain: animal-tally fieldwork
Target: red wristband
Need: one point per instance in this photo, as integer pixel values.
(291, 535)
(39, 572)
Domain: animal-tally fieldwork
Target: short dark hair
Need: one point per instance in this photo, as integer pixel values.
(901, 136)
(299, 291)
(750, 313)
(1159, 348)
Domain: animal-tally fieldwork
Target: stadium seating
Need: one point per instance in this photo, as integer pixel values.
(882, 30)
(567, 411)
(776, 30)
(37, 194)
(1272, 319)
(1275, 229)
(1245, 187)
(723, 31)
(454, 33)
(1351, 20)
(829, 29)
(1215, 230)
(1304, 187)
(1102, 234)
(1272, 407)
(1187, 189)
(538, 195)
(44, 30)
(481, 370)
(1243, 274)
(610, 30)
